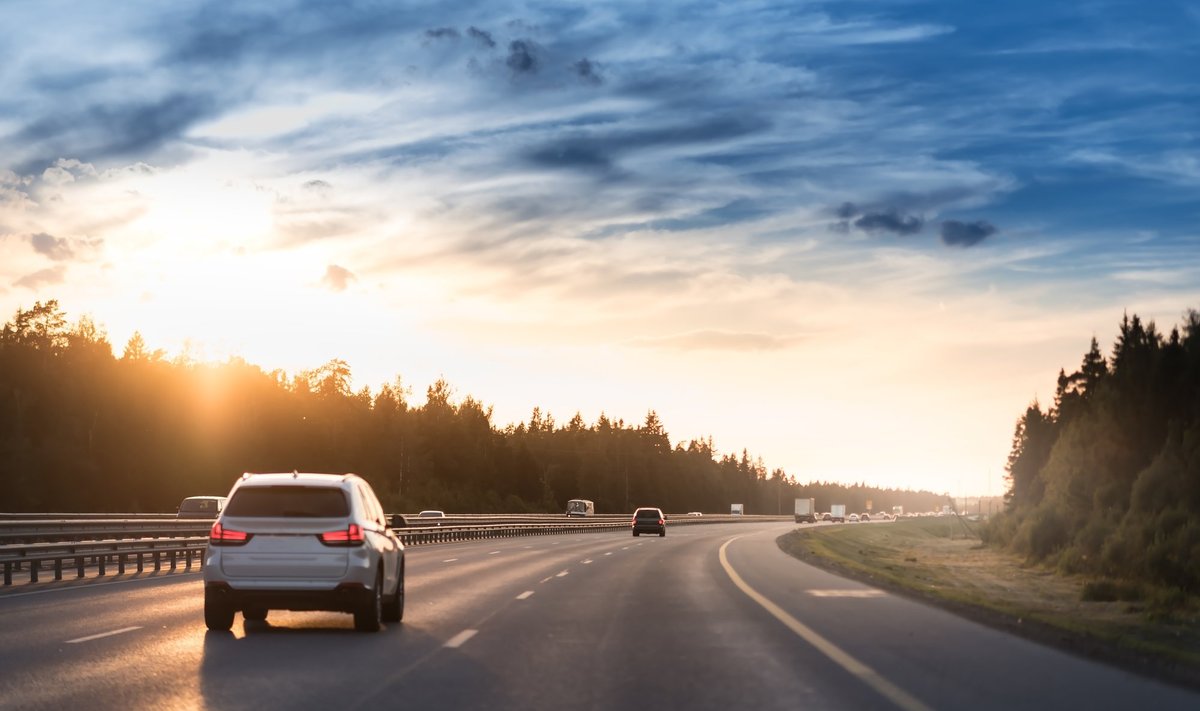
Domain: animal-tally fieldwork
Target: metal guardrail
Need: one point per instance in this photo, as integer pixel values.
(100, 554)
(142, 541)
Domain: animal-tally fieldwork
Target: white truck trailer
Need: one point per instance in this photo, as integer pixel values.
(838, 512)
(806, 510)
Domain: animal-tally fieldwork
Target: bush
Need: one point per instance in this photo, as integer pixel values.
(1111, 591)
(1042, 534)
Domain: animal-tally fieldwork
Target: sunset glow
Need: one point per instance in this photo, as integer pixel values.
(856, 241)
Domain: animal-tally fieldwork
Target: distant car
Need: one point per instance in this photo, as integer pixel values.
(430, 513)
(649, 520)
(865, 517)
(826, 516)
(852, 518)
(201, 507)
(303, 542)
(694, 513)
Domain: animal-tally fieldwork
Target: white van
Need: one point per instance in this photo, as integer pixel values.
(580, 507)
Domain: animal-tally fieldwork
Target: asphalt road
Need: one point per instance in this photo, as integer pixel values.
(710, 617)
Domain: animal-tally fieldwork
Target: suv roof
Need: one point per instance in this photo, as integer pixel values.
(295, 479)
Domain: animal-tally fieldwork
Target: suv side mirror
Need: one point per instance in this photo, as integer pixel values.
(397, 521)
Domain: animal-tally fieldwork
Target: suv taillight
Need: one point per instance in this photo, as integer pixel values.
(221, 536)
(351, 535)
(660, 522)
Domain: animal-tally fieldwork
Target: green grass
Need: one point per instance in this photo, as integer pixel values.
(940, 560)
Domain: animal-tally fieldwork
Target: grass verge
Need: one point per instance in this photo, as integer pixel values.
(940, 560)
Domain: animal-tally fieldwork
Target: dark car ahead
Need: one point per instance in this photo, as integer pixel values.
(649, 520)
(201, 507)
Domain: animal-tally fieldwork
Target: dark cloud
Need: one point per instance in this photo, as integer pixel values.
(442, 33)
(484, 37)
(317, 185)
(108, 130)
(876, 220)
(338, 278)
(966, 234)
(53, 247)
(587, 72)
(45, 277)
(597, 150)
(890, 221)
(522, 57)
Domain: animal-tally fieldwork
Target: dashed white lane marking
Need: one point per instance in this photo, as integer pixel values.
(525, 595)
(869, 676)
(585, 562)
(450, 560)
(546, 579)
(563, 574)
(608, 553)
(493, 553)
(624, 548)
(460, 639)
(89, 638)
(846, 593)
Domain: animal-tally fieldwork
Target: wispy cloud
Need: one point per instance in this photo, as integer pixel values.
(718, 340)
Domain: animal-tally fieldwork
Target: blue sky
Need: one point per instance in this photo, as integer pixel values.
(855, 237)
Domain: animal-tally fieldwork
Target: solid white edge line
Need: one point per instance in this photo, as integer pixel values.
(835, 653)
(89, 638)
(460, 639)
(525, 595)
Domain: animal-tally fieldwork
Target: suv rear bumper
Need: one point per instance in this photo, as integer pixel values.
(346, 597)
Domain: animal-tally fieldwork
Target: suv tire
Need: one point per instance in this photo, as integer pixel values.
(218, 616)
(393, 607)
(368, 616)
(255, 614)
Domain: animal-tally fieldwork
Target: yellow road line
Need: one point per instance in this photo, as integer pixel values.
(872, 678)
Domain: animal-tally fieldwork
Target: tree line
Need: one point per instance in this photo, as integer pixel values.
(1106, 481)
(82, 429)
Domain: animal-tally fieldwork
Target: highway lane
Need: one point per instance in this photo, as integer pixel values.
(594, 621)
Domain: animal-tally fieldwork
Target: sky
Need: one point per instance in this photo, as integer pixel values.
(854, 238)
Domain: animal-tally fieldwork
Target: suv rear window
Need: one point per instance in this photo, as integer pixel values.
(288, 502)
(648, 513)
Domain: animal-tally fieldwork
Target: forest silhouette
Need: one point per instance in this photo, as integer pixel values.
(1106, 481)
(84, 430)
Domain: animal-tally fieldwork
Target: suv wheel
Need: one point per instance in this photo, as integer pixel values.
(255, 614)
(218, 616)
(393, 607)
(367, 617)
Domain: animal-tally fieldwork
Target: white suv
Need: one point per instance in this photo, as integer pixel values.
(303, 542)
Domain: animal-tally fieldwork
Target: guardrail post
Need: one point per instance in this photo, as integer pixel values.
(121, 564)
(139, 563)
(8, 572)
(33, 570)
(101, 561)
(157, 561)
(172, 559)
(58, 568)
(79, 566)
(188, 556)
